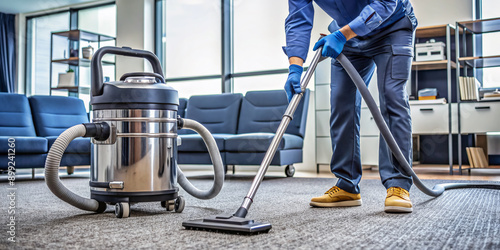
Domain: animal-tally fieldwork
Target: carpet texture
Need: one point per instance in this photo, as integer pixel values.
(459, 219)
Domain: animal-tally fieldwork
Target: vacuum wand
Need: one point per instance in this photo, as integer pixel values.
(271, 151)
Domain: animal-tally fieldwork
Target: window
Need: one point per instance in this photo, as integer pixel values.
(189, 43)
(191, 37)
(258, 41)
(101, 20)
(491, 76)
(38, 51)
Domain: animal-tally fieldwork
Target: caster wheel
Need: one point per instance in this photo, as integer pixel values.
(122, 210)
(179, 204)
(289, 170)
(169, 205)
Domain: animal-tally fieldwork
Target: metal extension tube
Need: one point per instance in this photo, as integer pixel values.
(271, 151)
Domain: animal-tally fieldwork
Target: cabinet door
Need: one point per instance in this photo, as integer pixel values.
(480, 117)
(322, 97)
(322, 123)
(429, 119)
(322, 73)
(323, 150)
(367, 124)
(369, 150)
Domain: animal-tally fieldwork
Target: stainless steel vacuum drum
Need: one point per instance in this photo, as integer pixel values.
(134, 145)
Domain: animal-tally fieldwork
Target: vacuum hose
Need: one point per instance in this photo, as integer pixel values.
(213, 150)
(52, 172)
(95, 130)
(391, 142)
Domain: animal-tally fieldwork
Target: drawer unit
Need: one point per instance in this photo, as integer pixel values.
(322, 97)
(367, 124)
(429, 119)
(323, 150)
(322, 73)
(480, 117)
(369, 146)
(323, 123)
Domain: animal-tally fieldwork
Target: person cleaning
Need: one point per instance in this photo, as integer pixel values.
(369, 33)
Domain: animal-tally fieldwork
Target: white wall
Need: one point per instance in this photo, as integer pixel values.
(436, 12)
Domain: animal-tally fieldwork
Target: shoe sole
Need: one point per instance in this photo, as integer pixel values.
(395, 209)
(337, 204)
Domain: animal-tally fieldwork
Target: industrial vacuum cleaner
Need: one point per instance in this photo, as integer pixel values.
(134, 143)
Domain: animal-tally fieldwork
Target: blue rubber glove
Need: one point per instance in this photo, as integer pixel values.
(333, 44)
(292, 85)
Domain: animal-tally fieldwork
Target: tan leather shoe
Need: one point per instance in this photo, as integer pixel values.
(398, 201)
(336, 197)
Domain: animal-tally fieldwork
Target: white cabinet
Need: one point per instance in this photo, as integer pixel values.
(430, 119)
(367, 124)
(480, 117)
(369, 146)
(323, 150)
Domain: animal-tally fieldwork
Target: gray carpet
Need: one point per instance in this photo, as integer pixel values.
(459, 219)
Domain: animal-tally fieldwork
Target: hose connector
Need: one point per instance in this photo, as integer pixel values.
(180, 122)
(100, 131)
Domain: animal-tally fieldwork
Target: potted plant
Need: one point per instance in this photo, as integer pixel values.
(67, 79)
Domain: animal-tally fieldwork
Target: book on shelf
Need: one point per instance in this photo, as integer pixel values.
(423, 102)
(477, 157)
(469, 88)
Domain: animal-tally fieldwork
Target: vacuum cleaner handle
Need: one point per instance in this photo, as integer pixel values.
(96, 67)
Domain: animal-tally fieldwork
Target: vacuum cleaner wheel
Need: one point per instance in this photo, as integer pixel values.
(122, 210)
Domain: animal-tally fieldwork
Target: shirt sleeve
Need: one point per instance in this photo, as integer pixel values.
(298, 27)
(372, 16)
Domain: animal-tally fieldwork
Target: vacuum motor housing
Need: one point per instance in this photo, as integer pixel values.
(138, 161)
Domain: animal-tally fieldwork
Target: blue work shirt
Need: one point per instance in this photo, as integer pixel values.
(365, 17)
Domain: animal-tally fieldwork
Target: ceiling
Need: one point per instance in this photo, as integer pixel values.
(27, 6)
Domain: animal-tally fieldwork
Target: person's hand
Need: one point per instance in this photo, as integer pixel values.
(292, 85)
(333, 44)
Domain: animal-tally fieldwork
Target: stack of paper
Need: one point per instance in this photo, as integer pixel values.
(469, 88)
(477, 158)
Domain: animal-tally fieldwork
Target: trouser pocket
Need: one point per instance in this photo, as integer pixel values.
(401, 61)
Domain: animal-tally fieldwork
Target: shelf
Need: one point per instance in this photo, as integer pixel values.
(481, 61)
(76, 35)
(434, 31)
(432, 65)
(71, 88)
(76, 61)
(482, 26)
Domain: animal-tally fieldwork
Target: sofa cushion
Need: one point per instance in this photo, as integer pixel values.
(182, 107)
(24, 145)
(194, 143)
(218, 113)
(262, 111)
(54, 114)
(281, 158)
(25, 161)
(79, 145)
(259, 142)
(15, 116)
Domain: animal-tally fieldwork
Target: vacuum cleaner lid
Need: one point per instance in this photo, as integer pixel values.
(136, 92)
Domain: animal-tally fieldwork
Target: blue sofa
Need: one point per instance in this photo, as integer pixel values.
(16, 122)
(35, 123)
(243, 128)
